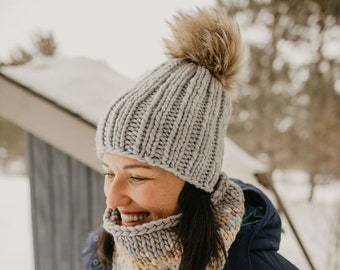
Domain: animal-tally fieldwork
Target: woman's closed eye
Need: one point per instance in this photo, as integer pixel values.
(138, 178)
(111, 176)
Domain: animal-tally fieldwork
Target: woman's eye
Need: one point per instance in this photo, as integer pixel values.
(137, 179)
(109, 175)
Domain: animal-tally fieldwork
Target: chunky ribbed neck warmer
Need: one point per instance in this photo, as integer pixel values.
(154, 245)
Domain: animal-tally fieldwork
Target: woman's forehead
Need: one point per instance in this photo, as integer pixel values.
(112, 159)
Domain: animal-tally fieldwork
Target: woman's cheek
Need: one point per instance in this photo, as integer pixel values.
(146, 196)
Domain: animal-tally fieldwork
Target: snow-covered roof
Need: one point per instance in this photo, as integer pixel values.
(85, 87)
(80, 85)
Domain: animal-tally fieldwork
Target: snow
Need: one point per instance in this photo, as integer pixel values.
(16, 226)
(80, 85)
(316, 221)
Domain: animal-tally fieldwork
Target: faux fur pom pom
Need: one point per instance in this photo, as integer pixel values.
(209, 38)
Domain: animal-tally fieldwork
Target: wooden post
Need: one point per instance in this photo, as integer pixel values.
(267, 181)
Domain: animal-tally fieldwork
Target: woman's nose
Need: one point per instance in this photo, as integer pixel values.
(117, 193)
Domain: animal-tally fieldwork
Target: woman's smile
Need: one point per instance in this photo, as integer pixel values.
(133, 219)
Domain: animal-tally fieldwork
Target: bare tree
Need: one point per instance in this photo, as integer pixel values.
(43, 44)
(19, 56)
(291, 104)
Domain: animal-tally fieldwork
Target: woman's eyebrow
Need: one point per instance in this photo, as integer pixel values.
(134, 166)
(131, 166)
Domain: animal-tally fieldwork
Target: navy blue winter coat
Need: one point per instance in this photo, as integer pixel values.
(255, 246)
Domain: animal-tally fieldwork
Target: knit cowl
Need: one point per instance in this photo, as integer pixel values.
(155, 245)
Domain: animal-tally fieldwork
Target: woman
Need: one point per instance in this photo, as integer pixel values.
(169, 206)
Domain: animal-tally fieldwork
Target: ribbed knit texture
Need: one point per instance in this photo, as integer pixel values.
(154, 245)
(174, 118)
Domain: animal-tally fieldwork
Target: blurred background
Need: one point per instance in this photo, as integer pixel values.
(287, 114)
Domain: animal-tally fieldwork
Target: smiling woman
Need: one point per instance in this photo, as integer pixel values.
(168, 205)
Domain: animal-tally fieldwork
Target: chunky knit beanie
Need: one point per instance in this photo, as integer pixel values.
(177, 115)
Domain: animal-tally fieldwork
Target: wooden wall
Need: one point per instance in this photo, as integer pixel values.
(67, 203)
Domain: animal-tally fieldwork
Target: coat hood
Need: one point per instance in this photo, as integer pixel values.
(261, 228)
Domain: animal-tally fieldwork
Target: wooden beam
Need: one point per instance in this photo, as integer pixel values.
(49, 122)
(267, 182)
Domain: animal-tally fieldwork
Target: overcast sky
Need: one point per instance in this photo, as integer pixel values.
(127, 34)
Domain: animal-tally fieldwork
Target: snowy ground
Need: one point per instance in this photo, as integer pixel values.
(15, 223)
(317, 222)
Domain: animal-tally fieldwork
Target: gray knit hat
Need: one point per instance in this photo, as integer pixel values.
(177, 115)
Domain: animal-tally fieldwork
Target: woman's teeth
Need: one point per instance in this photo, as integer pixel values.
(132, 218)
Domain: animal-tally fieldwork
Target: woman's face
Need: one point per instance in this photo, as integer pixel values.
(140, 192)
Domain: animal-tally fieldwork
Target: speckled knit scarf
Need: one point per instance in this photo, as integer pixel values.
(154, 245)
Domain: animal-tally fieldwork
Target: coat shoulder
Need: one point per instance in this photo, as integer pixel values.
(257, 243)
